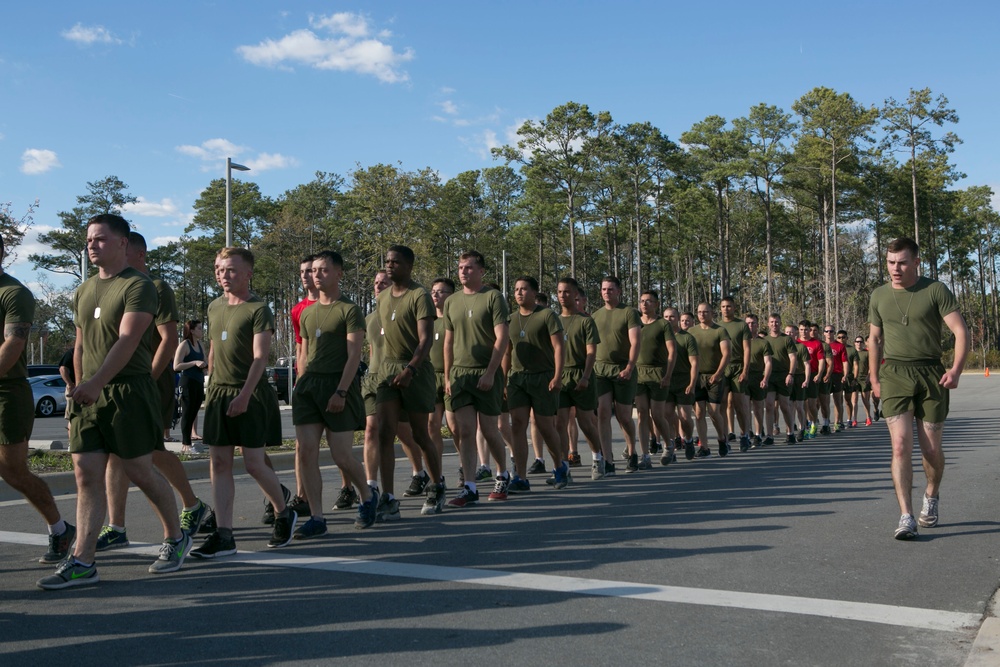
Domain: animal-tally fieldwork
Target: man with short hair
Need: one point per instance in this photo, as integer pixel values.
(781, 386)
(850, 379)
(737, 398)
(906, 317)
(614, 369)
(817, 372)
(655, 365)
(298, 501)
(864, 381)
(406, 378)
(534, 367)
(683, 383)
(17, 412)
(713, 358)
(116, 404)
(800, 384)
(241, 410)
(327, 396)
(838, 369)
(476, 338)
(441, 289)
(572, 429)
(758, 376)
(164, 332)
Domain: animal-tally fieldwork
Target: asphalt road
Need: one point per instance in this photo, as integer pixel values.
(778, 556)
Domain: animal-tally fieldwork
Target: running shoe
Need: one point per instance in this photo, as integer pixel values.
(632, 463)
(723, 448)
(561, 475)
(537, 468)
(703, 452)
(465, 498)
(388, 509)
(210, 525)
(689, 449)
(744, 443)
(215, 545)
(929, 514)
(172, 555)
(731, 437)
(756, 442)
(597, 470)
(790, 440)
(417, 485)
(825, 430)
(770, 441)
(483, 473)
(668, 457)
(347, 499)
(646, 462)
(609, 468)
(268, 517)
(907, 529)
(59, 546)
(283, 527)
(300, 506)
(192, 520)
(367, 512)
(109, 538)
(574, 460)
(654, 446)
(434, 500)
(518, 485)
(500, 488)
(854, 423)
(312, 528)
(70, 572)
(868, 422)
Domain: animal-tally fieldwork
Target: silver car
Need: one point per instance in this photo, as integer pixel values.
(50, 394)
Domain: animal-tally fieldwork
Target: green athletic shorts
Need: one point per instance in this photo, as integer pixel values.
(464, 391)
(532, 390)
(677, 393)
(312, 394)
(259, 426)
(606, 382)
(125, 420)
(713, 393)
(778, 386)
(754, 389)
(797, 393)
(441, 398)
(570, 397)
(836, 383)
(812, 391)
(733, 379)
(17, 411)
(823, 388)
(369, 389)
(914, 386)
(649, 383)
(417, 397)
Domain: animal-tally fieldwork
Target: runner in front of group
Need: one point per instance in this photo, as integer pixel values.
(534, 365)
(906, 317)
(328, 396)
(113, 313)
(476, 338)
(17, 413)
(241, 410)
(406, 378)
(614, 370)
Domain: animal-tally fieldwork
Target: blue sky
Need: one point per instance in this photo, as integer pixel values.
(160, 93)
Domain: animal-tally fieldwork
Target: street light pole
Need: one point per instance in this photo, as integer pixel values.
(230, 165)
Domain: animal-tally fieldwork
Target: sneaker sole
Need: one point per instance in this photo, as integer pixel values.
(906, 535)
(291, 533)
(217, 554)
(72, 583)
(927, 523)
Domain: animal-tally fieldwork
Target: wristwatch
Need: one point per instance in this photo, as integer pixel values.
(341, 392)
(412, 369)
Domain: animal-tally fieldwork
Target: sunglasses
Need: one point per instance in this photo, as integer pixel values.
(827, 330)
(860, 340)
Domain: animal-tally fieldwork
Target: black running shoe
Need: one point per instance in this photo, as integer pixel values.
(689, 449)
(632, 464)
(268, 517)
(347, 499)
(300, 505)
(59, 546)
(723, 448)
(537, 468)
(284, 526)
(417, 485)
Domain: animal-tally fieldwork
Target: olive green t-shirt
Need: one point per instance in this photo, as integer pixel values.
(852, 356)
(802, 357)
(653, 343)
(231, 332)
(324, 329)
(687, 347)
(709, 348)
(578, 332)
(781, 347)
(17, 306)
(738, 332)
(828, 356)
(98, 307)
(471, 318)
(760, 348)
(923, 308)
(398, 316)
(862, 364)
(166, 312)
(373, 328)
(437, 346)
(531, 341)
(614, 325)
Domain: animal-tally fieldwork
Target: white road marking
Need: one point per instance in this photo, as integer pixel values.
(911, 617)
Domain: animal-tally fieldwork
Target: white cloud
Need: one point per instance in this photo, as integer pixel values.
(350, 48)
(447, 90)
(213, 149)
(151, 209)
(265, 161)
(184, 220)
(449, 107)
(38, 161)
(164, 240)
(87, 35)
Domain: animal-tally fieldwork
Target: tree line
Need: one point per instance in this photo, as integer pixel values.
(788, 212)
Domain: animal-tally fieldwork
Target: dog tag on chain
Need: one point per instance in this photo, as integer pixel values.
(97, 313)
(319, 333)
(225, 335)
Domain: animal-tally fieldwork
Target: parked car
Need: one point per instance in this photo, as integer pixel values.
(277, 377)
(35, 370)
(49, 394)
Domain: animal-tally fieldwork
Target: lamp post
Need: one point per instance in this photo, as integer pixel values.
(230, 165)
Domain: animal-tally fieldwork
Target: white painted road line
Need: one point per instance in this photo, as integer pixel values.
(911, 617)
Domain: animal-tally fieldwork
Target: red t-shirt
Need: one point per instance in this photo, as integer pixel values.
(815, 354)
(839, 357)
(296, 314)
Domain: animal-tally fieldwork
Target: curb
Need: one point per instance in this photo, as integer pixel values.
(986, 648)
